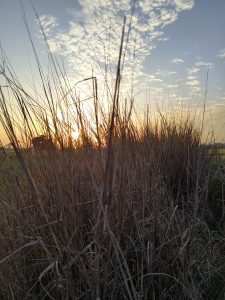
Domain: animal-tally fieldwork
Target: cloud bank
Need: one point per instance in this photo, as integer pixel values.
(92, 38)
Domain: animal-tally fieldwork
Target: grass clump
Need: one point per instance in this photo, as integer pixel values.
(119, 213)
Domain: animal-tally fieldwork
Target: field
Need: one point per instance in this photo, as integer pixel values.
(127, 210)
(218, 152)
(9, 169)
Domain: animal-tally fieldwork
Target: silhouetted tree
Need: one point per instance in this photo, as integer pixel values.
(43, 143)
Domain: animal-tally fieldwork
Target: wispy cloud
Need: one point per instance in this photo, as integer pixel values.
(49, 23)
(164, 39)
(202, 63)
(193, 70)
(153, 78)
(184, 4)
(91, 40)
(192, 79)
(222, 53)
(195, 90)
(172, 86)
(177, 61)
(165, 73)
(193, 82)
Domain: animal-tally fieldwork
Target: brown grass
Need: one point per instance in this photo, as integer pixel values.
(120, 213)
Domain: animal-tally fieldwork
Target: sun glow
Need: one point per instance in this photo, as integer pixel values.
(75, 134)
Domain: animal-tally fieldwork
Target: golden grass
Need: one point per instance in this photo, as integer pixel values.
(120, 213)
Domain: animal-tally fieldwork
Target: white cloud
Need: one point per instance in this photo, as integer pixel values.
(172, 73)
(195, 90)
(165, 73)
(191, 77)
(203, 63)
(193, 83)
(177, 61)
(172, 86)
(165, 39)
(184, 4)
(193, 70)
(48, 23)
(92, 38)
(157, 89)
(168, 16)
(153, 78)
(222, 53)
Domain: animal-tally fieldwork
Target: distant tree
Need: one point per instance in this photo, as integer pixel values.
(43, 143)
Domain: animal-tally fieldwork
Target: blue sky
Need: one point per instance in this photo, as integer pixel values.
(175, 43)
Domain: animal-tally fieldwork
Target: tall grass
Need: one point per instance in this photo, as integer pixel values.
(119, 213)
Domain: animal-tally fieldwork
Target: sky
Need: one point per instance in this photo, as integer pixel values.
(174, 45)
